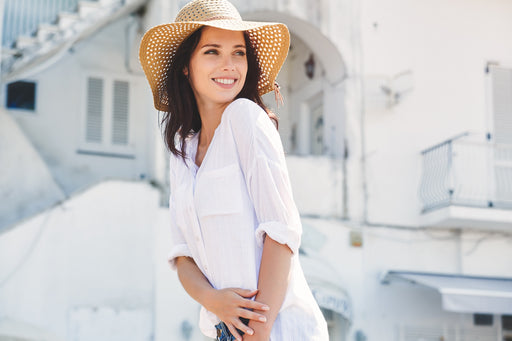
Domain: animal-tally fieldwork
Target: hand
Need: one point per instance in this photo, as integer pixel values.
(261, 332)
(232, 303)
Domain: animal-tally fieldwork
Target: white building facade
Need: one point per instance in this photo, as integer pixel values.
(397, 126)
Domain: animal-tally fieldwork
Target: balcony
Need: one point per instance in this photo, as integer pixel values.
(467, 183)
(37, 33)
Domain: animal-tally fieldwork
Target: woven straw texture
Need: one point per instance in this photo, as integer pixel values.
(159, 44)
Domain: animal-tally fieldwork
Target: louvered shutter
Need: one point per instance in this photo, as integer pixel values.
(501, 79)
(502, 104)
(120, 113)
(94, 116)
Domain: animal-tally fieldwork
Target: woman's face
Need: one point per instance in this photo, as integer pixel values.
(218, 67)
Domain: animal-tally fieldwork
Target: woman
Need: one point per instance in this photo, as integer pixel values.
(236, 230)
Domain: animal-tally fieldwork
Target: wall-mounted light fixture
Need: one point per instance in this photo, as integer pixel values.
(310, 66)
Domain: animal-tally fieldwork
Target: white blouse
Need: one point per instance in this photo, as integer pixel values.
(221, 211)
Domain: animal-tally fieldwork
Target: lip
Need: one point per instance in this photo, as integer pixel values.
(225, 86)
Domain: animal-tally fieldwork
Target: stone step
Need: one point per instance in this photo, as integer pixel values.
(9, 52)
(67, 20)
(24, 42)
(87, 8)
(47, 32)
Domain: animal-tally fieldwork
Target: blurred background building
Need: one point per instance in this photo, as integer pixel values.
(397, 126)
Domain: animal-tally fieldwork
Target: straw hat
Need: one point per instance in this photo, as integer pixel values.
(159, 44)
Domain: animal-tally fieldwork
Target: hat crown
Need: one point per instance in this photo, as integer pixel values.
(205, 10)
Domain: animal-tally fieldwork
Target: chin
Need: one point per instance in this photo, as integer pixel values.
(227, 99)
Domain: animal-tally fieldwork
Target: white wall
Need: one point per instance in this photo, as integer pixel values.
(90, 260)
(317, 185)
(26, 183)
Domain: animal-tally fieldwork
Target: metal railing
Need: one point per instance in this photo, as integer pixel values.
(23, 17)
(462, 171)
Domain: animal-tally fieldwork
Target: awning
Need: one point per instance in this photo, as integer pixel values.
(325, 286)
(465, 294)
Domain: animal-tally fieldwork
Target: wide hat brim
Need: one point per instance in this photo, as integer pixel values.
(159, 45)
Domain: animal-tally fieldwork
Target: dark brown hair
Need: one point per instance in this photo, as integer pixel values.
(183, 118)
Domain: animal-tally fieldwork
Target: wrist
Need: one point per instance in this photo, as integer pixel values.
(261, 328)
(207, 298)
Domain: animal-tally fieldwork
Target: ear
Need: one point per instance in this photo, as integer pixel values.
(185, 71)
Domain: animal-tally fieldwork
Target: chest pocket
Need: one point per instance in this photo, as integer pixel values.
(219, 191)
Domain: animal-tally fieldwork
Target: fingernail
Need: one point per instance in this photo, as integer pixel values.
(263, 319)
(250, 332)
(265, 307)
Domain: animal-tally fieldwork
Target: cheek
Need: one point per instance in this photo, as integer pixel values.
(197, 74)
(243, 69)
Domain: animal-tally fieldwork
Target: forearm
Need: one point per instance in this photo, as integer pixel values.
(272, 283)
(194, 281)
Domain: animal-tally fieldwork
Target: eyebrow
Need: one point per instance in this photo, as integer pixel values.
(218, 46)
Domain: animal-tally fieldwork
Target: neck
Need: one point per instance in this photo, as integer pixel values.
(210, 119)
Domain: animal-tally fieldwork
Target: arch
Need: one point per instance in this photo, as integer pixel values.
(330, 56)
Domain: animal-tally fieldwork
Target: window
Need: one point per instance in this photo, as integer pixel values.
(21, 95)
(506, 325)
(307, 134)
(482, 319)
(106, 128)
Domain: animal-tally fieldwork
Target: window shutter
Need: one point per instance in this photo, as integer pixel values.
(501, 79)
(502, 104)
(120, 113)
(94, 118)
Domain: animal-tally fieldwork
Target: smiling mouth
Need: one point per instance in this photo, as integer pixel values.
(226, 81)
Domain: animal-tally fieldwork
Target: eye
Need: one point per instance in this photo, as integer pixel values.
(240, 53)
(212, 51)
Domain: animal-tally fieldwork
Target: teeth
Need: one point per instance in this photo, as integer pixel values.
(224, 80)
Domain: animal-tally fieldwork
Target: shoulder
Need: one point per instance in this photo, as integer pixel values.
(247, 116)
(244, 112)
(251, 125)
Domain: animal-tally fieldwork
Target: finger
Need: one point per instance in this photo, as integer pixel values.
(251, 316)
(234, 332)
(245, 292)
(243, 327)
(250, 304)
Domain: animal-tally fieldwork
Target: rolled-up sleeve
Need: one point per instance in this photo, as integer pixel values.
(264, 166)
(179, 245)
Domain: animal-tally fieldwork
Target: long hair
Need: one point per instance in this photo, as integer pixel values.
(183, 118)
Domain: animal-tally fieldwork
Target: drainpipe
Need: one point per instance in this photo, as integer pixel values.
(359, 74)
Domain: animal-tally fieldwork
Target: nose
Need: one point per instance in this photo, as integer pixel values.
(228, 63)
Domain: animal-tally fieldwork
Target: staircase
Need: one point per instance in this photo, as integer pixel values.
(37, 33)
